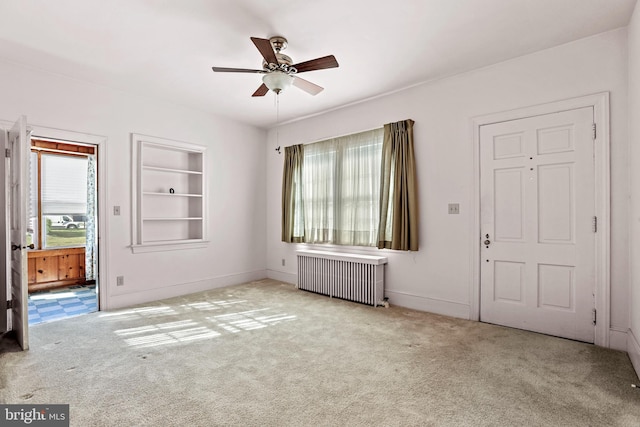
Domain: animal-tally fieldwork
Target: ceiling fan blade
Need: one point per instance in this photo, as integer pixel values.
(307, 86)
(266, 50)
(262, 90)
(317, 64)
(235, 70)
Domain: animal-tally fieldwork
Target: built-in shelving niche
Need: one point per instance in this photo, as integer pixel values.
(169, 203)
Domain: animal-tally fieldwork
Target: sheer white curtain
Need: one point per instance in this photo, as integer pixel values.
(341, 188)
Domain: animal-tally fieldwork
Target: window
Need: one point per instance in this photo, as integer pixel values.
(58, 199)
(341, 190)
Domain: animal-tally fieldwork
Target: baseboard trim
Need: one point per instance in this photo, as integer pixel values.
(402, 299)
(155, 294)
(633, 349)
(618, 339)
(282, 276)
(431, 305)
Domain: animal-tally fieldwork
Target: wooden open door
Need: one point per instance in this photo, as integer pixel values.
(18, 182)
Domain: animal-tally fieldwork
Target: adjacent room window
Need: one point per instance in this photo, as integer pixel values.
(341, 182)
(58, 200)
(64, 200)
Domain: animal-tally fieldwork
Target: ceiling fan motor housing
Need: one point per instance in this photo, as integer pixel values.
(279, 43)
(282, 60)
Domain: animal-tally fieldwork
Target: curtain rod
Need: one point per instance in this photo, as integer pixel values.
(332, 137)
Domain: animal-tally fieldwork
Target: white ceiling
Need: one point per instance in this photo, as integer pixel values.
(165, 49)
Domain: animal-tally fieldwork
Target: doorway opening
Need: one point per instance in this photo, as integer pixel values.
(62, 230)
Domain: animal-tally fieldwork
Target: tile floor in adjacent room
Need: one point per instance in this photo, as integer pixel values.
(45, 306)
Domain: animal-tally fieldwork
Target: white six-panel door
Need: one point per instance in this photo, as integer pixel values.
(537, 212)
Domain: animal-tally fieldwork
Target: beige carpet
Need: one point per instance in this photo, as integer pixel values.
(266, 354)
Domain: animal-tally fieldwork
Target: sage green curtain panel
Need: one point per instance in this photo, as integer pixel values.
(398, 227)
(292, 230)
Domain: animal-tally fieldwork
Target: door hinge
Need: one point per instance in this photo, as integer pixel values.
(594, 316)
(594, 131)
(7, 152)
(595, 224)
(9, 304)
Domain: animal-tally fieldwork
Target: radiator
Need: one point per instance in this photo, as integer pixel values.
(351, 277)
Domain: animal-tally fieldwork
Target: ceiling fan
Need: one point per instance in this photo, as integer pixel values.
(279, 70)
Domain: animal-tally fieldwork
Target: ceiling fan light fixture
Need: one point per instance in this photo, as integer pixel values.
(277, 81)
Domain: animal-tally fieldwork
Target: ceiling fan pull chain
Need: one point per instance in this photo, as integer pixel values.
(278, 121)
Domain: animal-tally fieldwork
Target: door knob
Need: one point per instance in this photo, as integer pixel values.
(487, 242)
(15, 247)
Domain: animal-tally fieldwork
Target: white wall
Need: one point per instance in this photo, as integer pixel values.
(633, 343)
(236, 182)
(245, 211)
(438, 278)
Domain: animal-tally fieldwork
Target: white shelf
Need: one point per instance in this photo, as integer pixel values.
(160, 169)
(169, 245)
(165, 220)
(153, 193)
(174, 219)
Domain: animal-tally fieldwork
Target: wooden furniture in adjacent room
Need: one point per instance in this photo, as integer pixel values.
(53, 268)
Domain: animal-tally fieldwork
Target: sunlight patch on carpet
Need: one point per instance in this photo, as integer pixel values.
(213, 305)
(189, 330)
(141, 312)
(175, 337)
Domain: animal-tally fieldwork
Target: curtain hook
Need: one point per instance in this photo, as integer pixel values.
(278, 149)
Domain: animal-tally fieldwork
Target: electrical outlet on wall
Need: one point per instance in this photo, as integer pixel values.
(283, 262)
(120, 281)
(454, 208)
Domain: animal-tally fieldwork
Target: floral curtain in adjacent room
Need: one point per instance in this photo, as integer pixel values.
(90, 224)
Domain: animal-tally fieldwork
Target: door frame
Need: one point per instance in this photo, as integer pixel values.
(100, 142)
(600, 104)
(5, 290)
